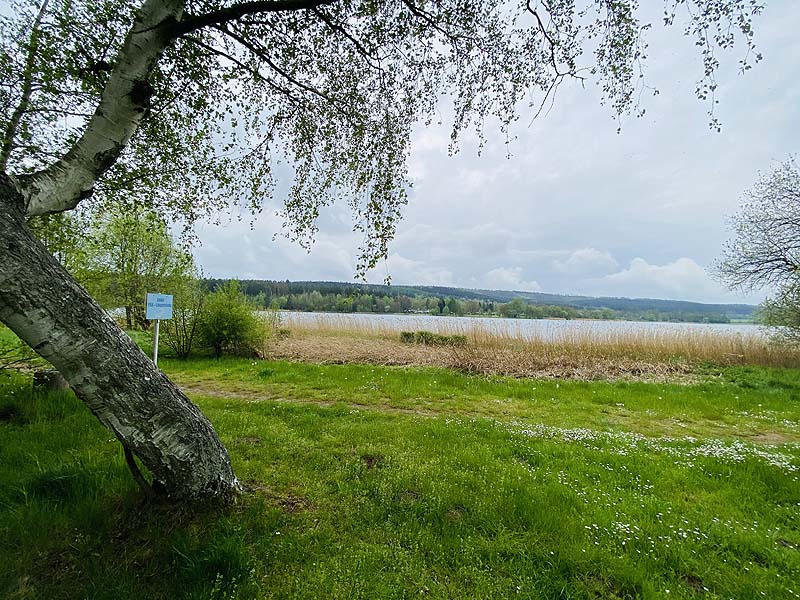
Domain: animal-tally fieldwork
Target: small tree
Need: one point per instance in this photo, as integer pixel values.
(64, 236)
(514, 309)
(783, 313)
(180, 332)
(129, 254)
(765, 252)
(229, 323)
(454, 306)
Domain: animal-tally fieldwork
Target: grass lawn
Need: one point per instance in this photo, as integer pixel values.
(387, 482)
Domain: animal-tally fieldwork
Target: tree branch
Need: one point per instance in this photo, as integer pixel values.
(368, 56)
(237, 11)
(553, 45)
(27, 87)
(260, 53)
(137, 474)
(255, 72)
(124, 103)
(420, 13)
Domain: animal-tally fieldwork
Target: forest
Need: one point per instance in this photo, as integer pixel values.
(327, 296)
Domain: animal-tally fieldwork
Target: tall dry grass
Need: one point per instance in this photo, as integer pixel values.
(581, 352)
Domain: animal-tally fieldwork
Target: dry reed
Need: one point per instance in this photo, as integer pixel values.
(582, 352)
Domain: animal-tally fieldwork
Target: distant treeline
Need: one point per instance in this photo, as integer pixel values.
(326, 296)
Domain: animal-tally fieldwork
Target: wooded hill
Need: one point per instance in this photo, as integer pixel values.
(362, 297)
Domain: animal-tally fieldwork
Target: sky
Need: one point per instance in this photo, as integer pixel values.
(578, 208)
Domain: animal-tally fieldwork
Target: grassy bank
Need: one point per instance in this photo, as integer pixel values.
(660, 354)
(386, 482)
(731, 403)
(663, 353)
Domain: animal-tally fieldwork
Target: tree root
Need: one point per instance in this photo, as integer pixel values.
(149, 490)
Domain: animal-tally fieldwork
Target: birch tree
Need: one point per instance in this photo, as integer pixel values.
(188, 105)
(765, 250)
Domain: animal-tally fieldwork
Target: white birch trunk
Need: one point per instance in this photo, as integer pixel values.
(47, 309)
(123, 105)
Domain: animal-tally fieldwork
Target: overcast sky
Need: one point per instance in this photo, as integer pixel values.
(578, 208)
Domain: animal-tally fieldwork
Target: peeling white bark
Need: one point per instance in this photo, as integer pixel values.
(48, 310)
(45, 307)
(122, 107)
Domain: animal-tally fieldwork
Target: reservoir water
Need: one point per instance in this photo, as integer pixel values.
(543, 329)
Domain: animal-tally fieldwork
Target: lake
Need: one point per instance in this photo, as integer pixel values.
(543, 329)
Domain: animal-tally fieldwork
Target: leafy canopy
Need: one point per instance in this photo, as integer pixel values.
(765, 249)
(329, 88)
(129, 254)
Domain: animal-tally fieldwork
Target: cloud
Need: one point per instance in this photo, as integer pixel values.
(577, 207)
(237, 250)
(506, 278)
(682, 279)
(586, 261)
(436, 242)
(405, 270)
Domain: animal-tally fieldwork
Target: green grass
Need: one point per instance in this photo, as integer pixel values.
(728, 403)
(375, 482)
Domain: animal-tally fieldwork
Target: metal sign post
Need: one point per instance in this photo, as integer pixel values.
(159, 306)
(155, 344)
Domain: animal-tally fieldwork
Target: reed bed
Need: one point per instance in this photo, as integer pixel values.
(581, 352)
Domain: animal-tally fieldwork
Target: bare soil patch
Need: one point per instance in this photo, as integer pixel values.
(288, 502)
(771, 438)
(372, 461)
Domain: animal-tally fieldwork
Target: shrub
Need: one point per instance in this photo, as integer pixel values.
(453, 340)
(782, 314)
(179, 332)
(273, 324)
(428, 338)
(273, 330)
(229, 324)
(407, 337)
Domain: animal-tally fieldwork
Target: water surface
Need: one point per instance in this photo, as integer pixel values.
(544, 329)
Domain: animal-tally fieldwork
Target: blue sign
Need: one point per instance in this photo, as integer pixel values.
(159, 307)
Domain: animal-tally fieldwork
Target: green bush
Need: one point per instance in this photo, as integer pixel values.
(407, 337)
(273, 330)
(428, 338)
(180, 332)
(453, 340)
(229, 324)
